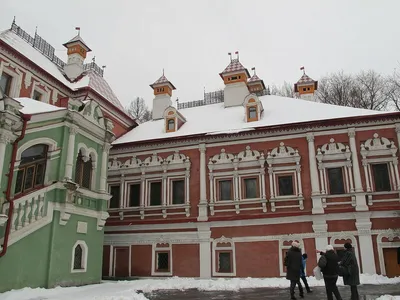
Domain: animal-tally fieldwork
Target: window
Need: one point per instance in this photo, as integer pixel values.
(83, 171)
(335, 178)
(37, 96)
(224, 262)
(252, 111)
(170, 125)
(234, 78)
(285, 184)
(115, 195)
(5, 83)
(31, 169)
(225, 190)
(134, 195)
(78, 255)
(178, 192)
(304, 89)
(155, 193)
(162, 261)
(381, 177)
(250, 188)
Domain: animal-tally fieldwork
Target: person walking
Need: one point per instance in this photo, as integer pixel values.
(303, 273)
(293, 263)
(350, 270)
(329, 264)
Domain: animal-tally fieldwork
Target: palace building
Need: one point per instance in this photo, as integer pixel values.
(220, 187)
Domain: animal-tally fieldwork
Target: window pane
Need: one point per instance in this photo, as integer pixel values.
(224, 262)
(39, 177)
(87, 174)
(19, 181)
(225, 190)
(285, 185)
(250, 188)
(29, 177)
(178, 192)
(252, 113)
(171, 124)
(115, 194)
(155, 193)
(163, 261)
(78, 169)
(34, 153)
(134, 195)
(37, 95)
(78, 257)
(5, 83)
(335, 178)
(381, 177)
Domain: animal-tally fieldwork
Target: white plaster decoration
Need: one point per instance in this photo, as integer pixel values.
(104, 159)
(320, 228)
(89, 153)
(335, 237)
(123, 201)
(81, 227)
(71, 152)
(315, 187)
(16, 74)
(228, 246)
(161, 246)
(284, 160)
(253, 161)
(54, 96)
(288, 238)
(85, 250)
(256, 103)
(92, 112)
(42, 89)
(391, 235)
(204, 235)
(111, 261)
(363, 224)
(4, 140)
(28, 79)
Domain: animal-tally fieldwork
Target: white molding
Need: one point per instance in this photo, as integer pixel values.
(16, 76)
(390, 234)
(42, 140)
(345, 236)
(85, 250)
(155, 249)
(215, 248)
(288, 238)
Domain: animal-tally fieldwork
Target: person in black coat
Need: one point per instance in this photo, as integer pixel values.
(329, 264)
(294, 263)
(350, 270)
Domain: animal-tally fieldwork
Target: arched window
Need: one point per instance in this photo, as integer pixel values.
(78, 255)
(171, 125)
(31, 169)
(83, 170)
(252, 113)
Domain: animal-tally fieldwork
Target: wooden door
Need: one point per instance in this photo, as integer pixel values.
(121, 261)
(392, 265)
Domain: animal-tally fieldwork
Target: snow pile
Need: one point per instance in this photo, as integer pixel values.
(133, 290)
(388, 297)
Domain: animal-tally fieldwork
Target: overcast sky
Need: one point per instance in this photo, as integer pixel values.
(191, 39)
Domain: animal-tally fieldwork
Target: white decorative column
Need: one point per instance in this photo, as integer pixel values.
(398, 133)
(315, 192)
(203, 187)
(204, 234)
(361, 203)
(104, 167)
(122, 203)
(321, 230)
(363, 224)
(4, 140)
(71, 152)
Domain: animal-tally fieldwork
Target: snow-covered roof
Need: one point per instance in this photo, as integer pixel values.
(234, 66)
(90, 78)
(32, 106)
(161, 80)
(77, 39)
(215, 119)
(305, 79)
(254, 78)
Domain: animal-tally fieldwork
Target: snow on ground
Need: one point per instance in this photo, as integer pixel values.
(388, 297)
(131, 290)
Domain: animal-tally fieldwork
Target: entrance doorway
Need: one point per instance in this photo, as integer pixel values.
(392, 261)
(121, 262)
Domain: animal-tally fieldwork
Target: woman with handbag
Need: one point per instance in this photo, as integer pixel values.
(350, 271)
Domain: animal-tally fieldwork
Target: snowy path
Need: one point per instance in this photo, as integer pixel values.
(132, 290)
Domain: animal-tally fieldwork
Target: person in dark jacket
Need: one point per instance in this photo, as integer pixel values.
(303, 273)
(293, 263)
(350, 270)
(329, 264)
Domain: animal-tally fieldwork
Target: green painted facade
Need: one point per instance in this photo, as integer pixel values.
(50, 221)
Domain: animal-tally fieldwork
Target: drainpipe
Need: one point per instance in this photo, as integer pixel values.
(10, 175)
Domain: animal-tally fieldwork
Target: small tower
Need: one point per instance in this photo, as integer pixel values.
(163, 92)
(305, 88)
(235, 77)
(77, 51)
(255, 84)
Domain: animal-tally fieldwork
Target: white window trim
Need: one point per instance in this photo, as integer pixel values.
(170, 181)
(16, 75)
(216, 188)
(44, 92)
(128, 193)
(109, 191)
(384, 151)
(344, 236)
(242, 177)
(215, 248)
(163, 248)
(148, 192)
(86, 151)
(390, 234)
(278, 160)
(84, 256)
(286, 247)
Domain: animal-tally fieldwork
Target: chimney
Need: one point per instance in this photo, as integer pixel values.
(163, 92)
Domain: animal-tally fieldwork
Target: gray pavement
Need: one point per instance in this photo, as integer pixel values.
(367, 292)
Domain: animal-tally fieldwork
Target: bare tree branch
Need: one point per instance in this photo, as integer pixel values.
(286, 90)
(138, 110)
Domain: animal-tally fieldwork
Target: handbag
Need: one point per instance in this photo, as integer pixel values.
(317, 273)
(344, 271)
